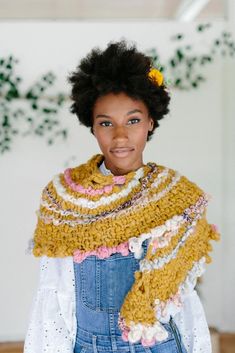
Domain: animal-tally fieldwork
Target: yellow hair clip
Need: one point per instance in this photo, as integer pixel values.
(156, 76)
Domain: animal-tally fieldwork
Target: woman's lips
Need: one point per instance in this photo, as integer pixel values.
(122, 152)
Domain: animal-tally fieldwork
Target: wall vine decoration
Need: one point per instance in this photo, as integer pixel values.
(35, 113)
(37, 117)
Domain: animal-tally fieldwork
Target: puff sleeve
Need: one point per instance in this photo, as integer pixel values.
(192, 325)
(52, 322)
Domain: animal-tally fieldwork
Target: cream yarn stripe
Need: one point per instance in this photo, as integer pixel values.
(82, 202)
(160, 178)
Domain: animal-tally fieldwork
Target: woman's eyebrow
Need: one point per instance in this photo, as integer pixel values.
(135, 111)
(129, 113)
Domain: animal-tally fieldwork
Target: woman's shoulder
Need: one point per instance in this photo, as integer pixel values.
(74, 174)
(57, 182)
(176, 177)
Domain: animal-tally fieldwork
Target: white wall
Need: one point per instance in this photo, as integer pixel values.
(228, 167)
(191, 139)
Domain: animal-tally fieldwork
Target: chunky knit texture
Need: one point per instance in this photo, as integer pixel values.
(83, 210)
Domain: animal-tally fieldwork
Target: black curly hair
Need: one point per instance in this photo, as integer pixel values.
(116, 69)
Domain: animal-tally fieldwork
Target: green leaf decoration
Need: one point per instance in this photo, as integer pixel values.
(39, 118)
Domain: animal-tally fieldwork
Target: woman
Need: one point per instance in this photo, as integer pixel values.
(121, 242)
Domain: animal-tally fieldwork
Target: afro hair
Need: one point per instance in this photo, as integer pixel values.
(116, 69)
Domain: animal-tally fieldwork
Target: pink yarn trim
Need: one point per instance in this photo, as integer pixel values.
(215, 227)
(119, 179)
(148, 343)
(102, 252)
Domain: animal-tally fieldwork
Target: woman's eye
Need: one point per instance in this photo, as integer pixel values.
(135, 120)
(105, 123)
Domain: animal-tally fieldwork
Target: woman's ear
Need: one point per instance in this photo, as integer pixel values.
(151, 126)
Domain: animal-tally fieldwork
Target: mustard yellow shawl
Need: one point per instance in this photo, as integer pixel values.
(82, 209)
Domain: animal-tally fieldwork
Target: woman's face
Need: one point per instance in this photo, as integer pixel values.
(121, 125)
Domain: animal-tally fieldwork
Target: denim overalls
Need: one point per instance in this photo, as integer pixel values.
(101, 286)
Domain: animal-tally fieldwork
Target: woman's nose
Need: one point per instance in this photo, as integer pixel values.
(120, 132)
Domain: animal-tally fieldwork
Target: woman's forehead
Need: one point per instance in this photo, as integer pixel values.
(113, 102)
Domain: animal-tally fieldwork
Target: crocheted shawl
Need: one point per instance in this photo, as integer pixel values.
(84, 212)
